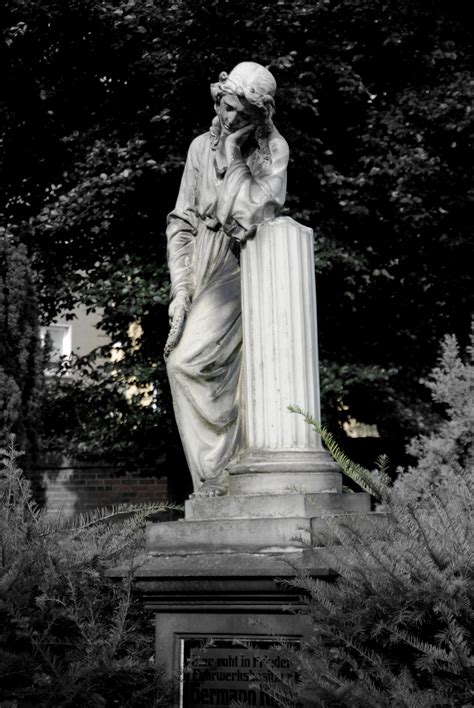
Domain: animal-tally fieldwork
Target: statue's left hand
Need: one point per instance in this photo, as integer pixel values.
(177, 312)
(181, 299)
(176, 330)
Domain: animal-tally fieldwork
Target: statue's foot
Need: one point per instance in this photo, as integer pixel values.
(209, 490)
(215, 487)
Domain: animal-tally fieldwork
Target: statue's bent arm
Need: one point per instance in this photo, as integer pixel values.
(247, 199)
(181, 230)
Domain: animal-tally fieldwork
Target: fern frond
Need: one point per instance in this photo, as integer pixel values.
(429, 649)
(383, 465)
(360, 475)
(115, 513)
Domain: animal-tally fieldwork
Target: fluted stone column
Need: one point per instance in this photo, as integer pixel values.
(280, 365)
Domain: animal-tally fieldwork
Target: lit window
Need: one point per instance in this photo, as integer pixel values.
(61, 341)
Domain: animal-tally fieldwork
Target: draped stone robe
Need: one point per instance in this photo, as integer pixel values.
(215, 210)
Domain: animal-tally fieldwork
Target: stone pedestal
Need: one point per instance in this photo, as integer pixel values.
(227, 599)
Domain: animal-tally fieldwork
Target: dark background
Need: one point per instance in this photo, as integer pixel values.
(99, 102)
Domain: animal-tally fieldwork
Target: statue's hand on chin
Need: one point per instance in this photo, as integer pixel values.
(234, 142)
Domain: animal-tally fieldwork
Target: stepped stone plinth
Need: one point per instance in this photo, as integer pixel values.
(271, 506)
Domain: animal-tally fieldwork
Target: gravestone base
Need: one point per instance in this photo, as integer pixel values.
(217, 578)
(237, 605)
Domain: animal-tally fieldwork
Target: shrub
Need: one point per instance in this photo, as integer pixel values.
(68, 635)
(449, 447)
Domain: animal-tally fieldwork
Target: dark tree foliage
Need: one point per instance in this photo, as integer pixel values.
(21, 356)
(101, 100)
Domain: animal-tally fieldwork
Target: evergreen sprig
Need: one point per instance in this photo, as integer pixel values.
(377, 486)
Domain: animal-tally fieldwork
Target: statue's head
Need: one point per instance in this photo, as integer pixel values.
(254, 87)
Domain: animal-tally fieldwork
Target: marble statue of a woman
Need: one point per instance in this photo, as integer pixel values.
(234, 179)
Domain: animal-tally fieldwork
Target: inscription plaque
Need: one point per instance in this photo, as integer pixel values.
(222, 672)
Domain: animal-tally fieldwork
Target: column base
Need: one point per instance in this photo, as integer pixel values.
(284, 471)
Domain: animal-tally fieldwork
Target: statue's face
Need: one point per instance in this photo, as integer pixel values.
(233, 114)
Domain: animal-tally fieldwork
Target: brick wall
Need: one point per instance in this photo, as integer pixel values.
(73, 489)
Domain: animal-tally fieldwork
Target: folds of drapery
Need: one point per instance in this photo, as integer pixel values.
(204, 369)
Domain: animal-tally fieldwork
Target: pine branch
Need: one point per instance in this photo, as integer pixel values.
(110, 514)
(361, 476)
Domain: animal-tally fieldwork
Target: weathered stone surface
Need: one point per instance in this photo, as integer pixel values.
(246, 535)
(252, 480)
(208, 566)
(275, 505)
(226, 535)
